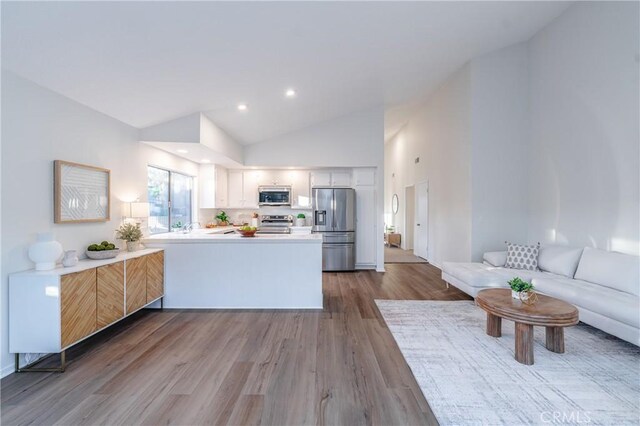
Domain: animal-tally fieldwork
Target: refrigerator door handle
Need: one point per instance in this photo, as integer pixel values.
(333, 210)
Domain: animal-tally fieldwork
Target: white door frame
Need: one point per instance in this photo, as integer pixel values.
(425, 227)
(409, 230)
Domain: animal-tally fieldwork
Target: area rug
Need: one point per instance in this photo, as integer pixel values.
(398, 255)
(468, 377)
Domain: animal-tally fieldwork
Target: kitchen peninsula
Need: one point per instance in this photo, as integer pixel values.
(218, 268)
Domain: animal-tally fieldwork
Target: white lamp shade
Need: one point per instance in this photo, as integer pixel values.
(136, 209)
(139, 209)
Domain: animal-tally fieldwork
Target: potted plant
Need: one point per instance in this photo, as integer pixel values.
(519, 286)
(301, 219)
(131, 233)
(176, 226)
(223, 218)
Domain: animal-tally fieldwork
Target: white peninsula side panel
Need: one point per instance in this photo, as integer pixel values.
(230, 272)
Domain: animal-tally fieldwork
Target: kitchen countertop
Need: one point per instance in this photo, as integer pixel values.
(217, 235)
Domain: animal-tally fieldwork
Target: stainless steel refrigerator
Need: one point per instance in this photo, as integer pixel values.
(334, 216)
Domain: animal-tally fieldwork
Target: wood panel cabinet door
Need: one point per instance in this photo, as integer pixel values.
(110, 293)
(136, 284)
(155, 276)
(78, 306)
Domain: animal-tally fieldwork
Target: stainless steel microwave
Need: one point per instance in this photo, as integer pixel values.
(274, 196)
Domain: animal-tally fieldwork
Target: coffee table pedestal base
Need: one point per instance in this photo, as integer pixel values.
(555, 339)
(494, 325)
(524, 343)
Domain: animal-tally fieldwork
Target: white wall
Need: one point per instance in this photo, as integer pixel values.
(551, 149)
(584, 154)
(499, 140)
(355, 140)
(39, 126)
(439, 134)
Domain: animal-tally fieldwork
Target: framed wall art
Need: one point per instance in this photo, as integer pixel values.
(81, 193)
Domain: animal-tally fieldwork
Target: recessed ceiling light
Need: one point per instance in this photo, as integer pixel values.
(205, 160)
(290, 93)
(182, 151)
(242, 107)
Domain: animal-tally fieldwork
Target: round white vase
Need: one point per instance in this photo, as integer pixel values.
(133, 245)
(46, 252)
(515, 294)
(300, 221)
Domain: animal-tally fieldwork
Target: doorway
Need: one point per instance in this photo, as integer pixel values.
(421, 228)
(409, 216)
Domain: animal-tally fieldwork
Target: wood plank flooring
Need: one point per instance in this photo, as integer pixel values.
(338, 366)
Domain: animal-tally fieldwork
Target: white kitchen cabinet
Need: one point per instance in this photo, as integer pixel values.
(300, 188)
(212, 182)
(365, 227)
(236, 188)
(320, 179)
(222, 189)
(251, 181)
(207, 186)
(364, 177)
(341, 179)
(275, 177)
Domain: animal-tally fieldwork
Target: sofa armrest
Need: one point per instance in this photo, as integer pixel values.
(495, 258)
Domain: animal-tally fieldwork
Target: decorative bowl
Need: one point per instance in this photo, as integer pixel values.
(247, 233)
(104, 254)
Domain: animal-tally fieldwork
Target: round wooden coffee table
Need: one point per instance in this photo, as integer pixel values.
(547, 312)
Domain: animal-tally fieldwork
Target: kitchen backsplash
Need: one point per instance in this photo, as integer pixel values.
(244, 216)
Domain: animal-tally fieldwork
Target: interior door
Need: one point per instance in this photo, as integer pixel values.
(421, 233)
(322, 209)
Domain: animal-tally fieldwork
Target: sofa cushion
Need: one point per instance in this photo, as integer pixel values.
(522, 257)
(610, 269)
(605, 301)
(495, 258)
(481, 275)
(561, 260)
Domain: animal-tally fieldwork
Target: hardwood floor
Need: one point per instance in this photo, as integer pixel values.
(339, 366)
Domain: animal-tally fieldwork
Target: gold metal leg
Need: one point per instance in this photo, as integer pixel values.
(29, 368)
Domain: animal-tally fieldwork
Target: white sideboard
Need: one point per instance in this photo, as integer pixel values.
(49, 311)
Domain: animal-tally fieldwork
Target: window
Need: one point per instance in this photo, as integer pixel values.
(170, 195)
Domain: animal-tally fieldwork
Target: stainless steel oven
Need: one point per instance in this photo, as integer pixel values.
(274, 195)
(275, 224)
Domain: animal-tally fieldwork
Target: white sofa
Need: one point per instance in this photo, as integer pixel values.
(604, 286)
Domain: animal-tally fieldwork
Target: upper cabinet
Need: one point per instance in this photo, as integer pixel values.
(364, 177)
(340, 179)
(236, 188)
(250, 183)
(212, 181)
(320, 179)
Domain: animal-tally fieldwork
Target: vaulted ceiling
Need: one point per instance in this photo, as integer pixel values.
(148, 62)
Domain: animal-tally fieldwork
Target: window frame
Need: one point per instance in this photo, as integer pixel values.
(169, 194)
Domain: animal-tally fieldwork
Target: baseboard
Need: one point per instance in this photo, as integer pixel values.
(5, 371)
(437, 265)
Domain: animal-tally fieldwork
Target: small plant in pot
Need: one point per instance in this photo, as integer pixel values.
(176, 226)
(131, 233)
(301, 219)
(223, 218)
(519, 286)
